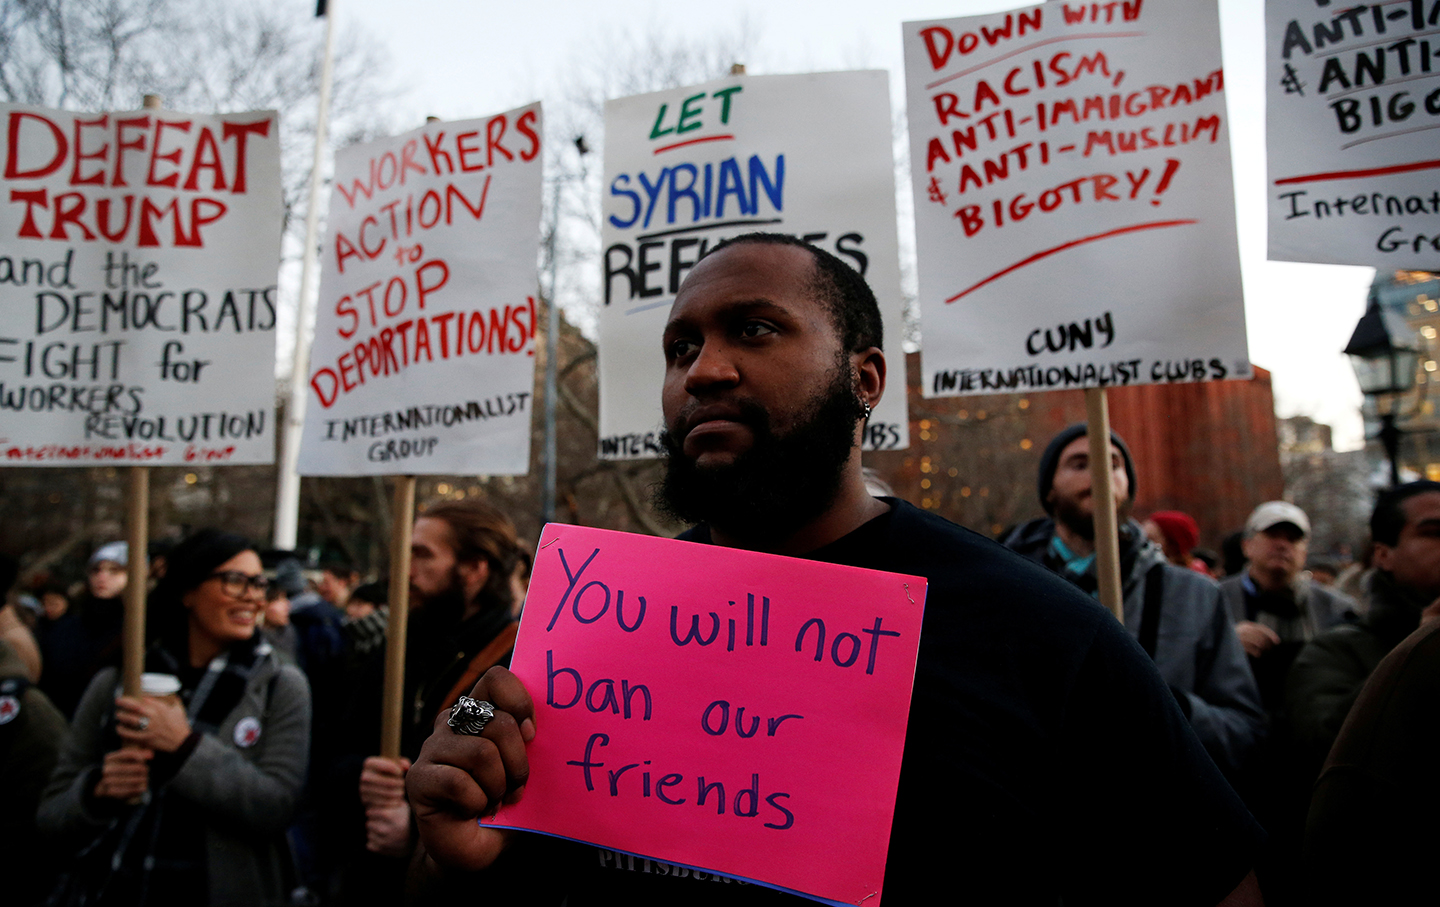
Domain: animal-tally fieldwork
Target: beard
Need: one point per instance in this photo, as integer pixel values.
(1081, 521)
(782, 482)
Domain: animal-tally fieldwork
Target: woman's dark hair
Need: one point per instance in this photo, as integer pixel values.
(189, 563)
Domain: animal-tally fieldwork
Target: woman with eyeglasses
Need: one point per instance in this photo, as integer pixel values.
(191, 789)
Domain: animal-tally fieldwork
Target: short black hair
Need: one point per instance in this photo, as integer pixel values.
(1389, 517)
(839, 287)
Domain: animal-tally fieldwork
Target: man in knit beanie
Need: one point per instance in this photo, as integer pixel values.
(1177, 615)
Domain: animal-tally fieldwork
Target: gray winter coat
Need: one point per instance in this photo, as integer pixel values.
(247, 793)
(1196, 648)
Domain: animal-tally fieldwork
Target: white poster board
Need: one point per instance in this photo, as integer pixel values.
(808, 155)
(424, 354)
(1353, 133)
(138, 259)
(1074, 211)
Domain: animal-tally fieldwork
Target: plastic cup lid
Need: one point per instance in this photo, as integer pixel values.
(159, 684)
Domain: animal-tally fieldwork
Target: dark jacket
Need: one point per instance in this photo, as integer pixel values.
(1330, 671)
(31, 731)
(1370, 837)
(1298, 617)
(1194, 645)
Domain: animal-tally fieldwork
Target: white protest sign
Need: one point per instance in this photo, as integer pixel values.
(808, 155)
(138, 258)
(424, 355)
(1074, 215)
(1352, 109)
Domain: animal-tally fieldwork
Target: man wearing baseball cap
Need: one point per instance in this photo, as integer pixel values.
(1275, 606)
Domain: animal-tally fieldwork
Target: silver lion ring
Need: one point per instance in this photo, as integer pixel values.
(469, 716)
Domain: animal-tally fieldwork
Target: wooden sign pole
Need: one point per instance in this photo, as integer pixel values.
(394, 691)
(1102, 490)
(137, 538)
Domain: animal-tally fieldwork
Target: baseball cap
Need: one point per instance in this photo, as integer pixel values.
(1273, 513)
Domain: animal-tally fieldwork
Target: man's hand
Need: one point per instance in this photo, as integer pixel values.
(1256, 638)
(387, 830)
(382, 781)
(125, 774)
(387, 815)
(459, 778)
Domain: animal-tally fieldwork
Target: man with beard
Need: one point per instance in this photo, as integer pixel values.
(462, 556)
(1177, 615)
(1044, 757)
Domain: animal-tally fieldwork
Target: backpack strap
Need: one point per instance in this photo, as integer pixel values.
(483, 661)
(1150, 614)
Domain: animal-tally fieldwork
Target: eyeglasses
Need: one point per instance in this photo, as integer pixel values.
(236, 584)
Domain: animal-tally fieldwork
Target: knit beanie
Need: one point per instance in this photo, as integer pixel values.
(1050, 461)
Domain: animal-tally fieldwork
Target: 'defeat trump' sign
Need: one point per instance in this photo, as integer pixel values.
(424, 353)
(138, 256)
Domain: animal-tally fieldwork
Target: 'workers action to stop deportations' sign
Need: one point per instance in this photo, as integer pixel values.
(138, 256)
(424, 355)
(716, 709)
(1352, 111)
(1074, 210)
(808, 155)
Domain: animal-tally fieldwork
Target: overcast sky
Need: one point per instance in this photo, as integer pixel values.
(464, 58)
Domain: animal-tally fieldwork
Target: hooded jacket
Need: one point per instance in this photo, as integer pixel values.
(1194, 644)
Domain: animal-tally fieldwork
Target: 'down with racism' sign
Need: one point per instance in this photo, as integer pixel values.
(1074, 211)
(713, 708)
(424, 355)
(1353, 132)
(808, 155)
(138, 256)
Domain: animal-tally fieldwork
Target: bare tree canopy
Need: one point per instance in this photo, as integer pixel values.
(199, 56)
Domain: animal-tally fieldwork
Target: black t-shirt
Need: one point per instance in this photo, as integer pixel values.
(1045, 759)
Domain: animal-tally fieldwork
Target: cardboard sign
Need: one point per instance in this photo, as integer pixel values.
(1074, 211)
(707, 707)
(424, 355)
(138, 258)
(809, 155)
(1352, 113)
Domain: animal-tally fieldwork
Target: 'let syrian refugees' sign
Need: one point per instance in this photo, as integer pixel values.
(138, 257)
(707, 707)
(1074, 211)
(808, 155)
(424, 355)
(1353, 132)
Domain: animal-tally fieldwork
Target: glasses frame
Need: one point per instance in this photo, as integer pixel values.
(235, 583)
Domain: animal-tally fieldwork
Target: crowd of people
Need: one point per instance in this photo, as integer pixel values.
(1253, 739)
(247, 773)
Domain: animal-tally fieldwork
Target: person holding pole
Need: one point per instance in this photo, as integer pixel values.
(182, 797)
(463, 555)
(1045, 759)
(1176, 614)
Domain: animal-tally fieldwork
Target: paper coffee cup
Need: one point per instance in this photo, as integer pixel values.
(161, 686)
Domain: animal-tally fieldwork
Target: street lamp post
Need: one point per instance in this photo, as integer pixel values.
(1384, 353)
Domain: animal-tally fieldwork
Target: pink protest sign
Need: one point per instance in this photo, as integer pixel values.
(715, 708)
